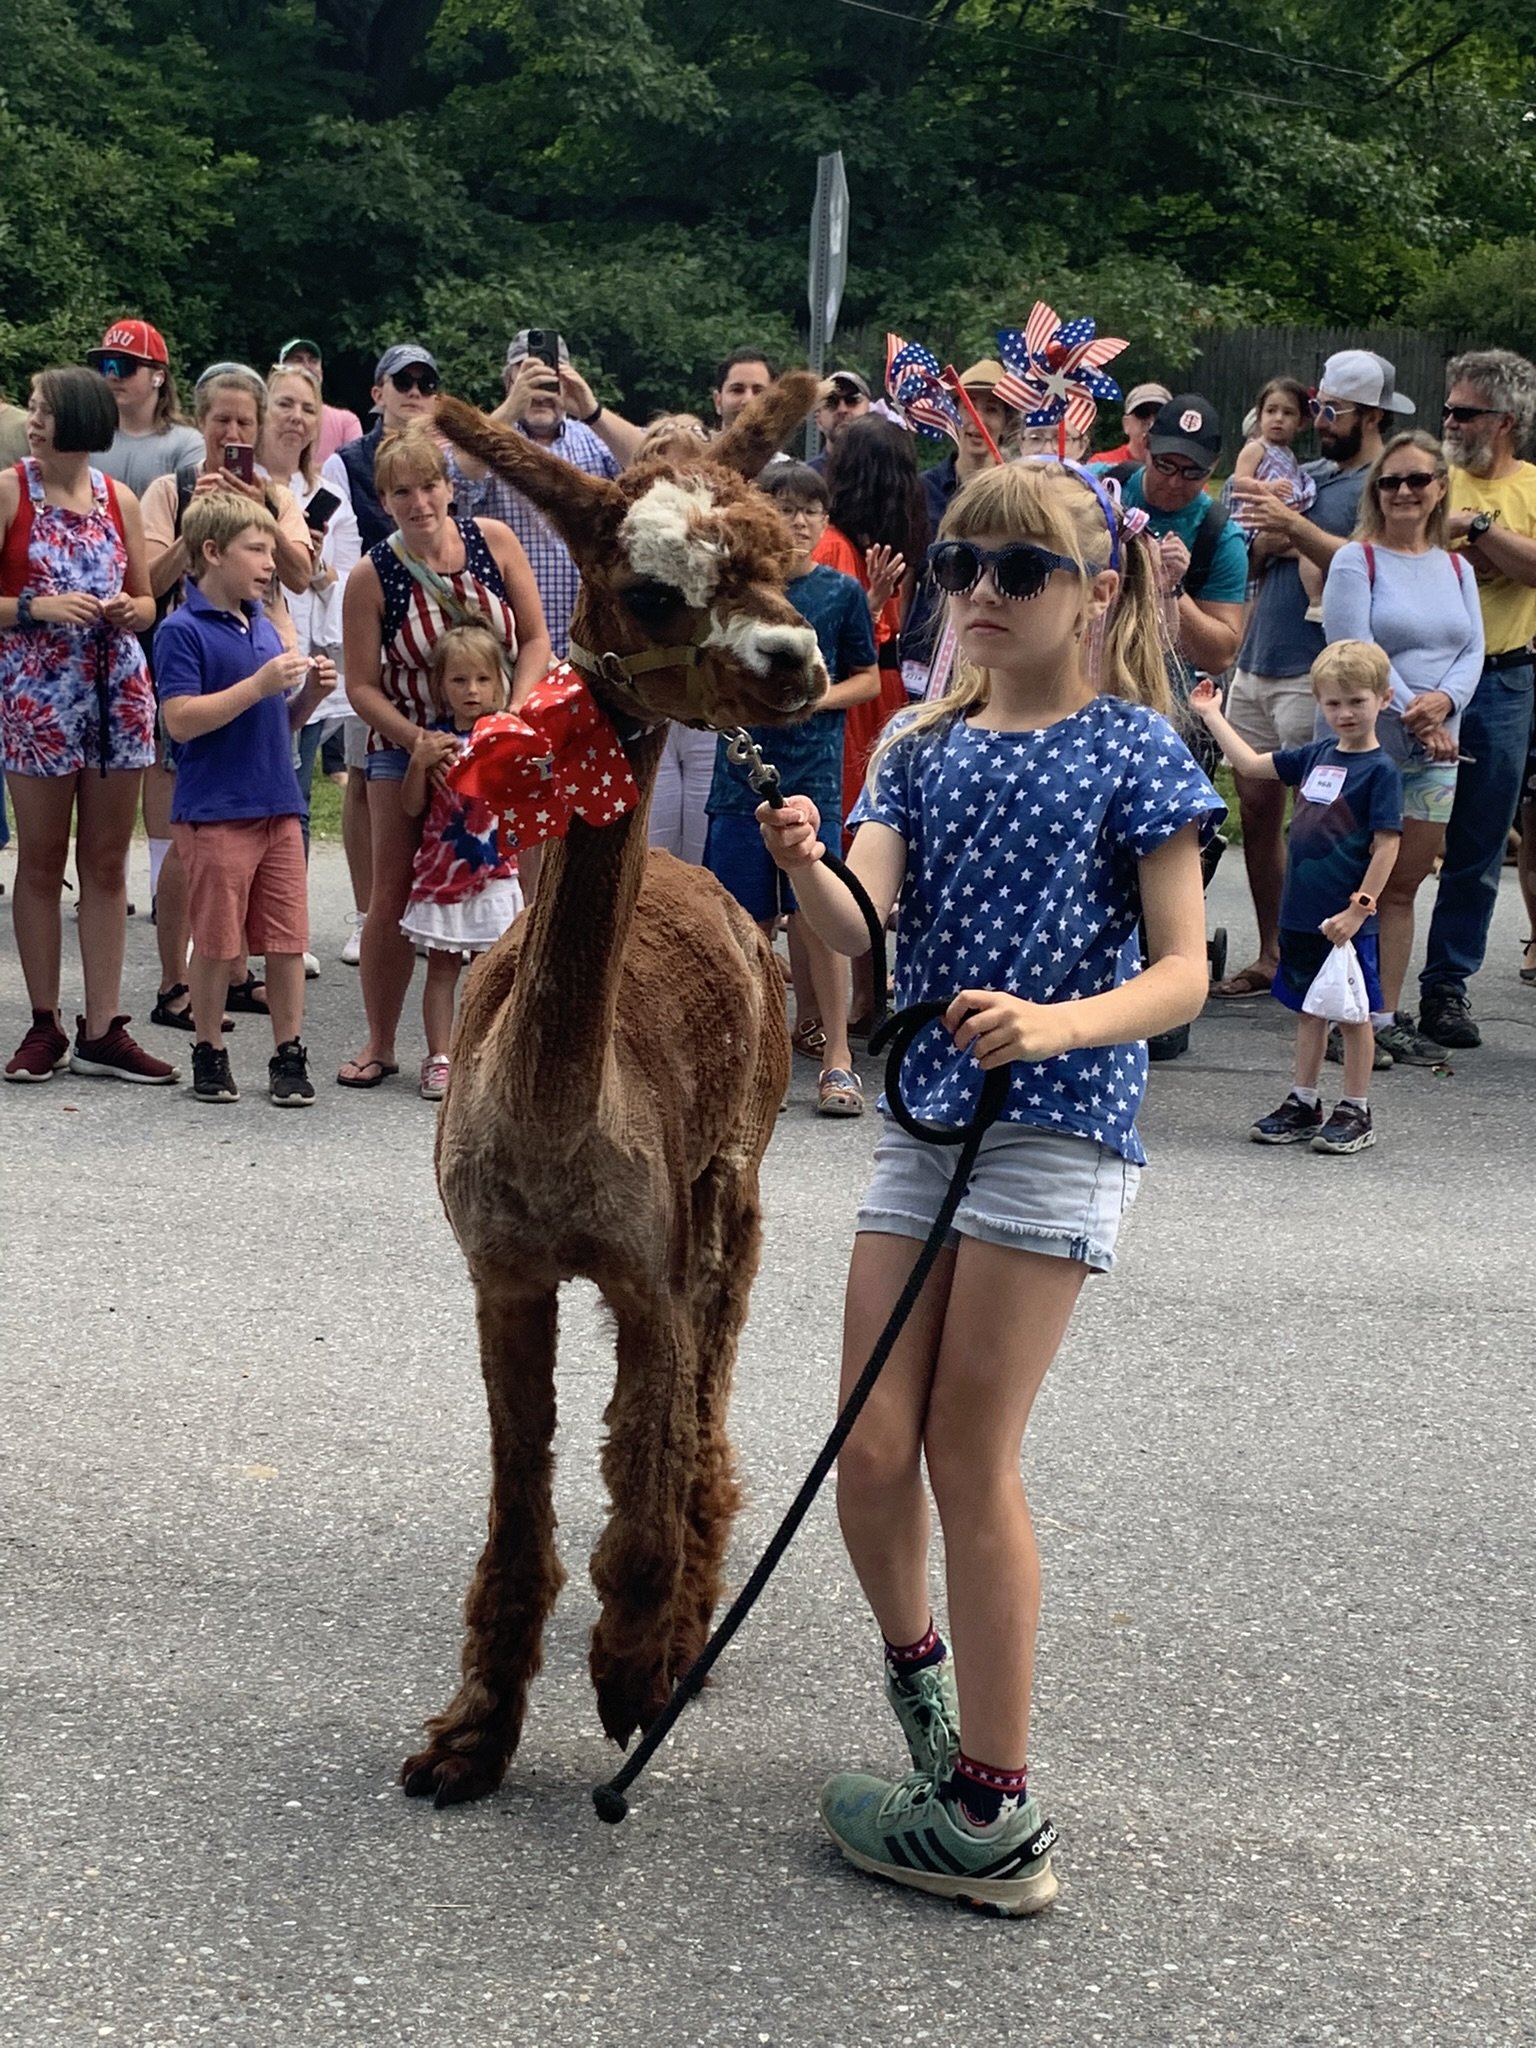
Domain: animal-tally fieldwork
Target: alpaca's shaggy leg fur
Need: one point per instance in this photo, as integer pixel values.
(519, 1575)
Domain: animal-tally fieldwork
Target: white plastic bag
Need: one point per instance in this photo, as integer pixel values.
(1338, 991)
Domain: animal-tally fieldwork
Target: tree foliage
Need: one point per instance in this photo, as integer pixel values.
(639, 173)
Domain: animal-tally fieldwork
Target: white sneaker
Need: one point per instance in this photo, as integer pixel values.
(311, 967)
(434, 1077)
(352, 950)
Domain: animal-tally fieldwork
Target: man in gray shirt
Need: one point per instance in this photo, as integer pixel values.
(151, 440)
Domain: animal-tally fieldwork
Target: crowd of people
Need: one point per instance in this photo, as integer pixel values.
(186, 607)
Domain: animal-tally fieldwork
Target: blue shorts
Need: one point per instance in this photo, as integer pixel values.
(1301, 960)
(387, 764)
(1032, 1191)
(735, 854)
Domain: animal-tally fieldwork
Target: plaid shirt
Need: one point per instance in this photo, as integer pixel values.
(553, 570)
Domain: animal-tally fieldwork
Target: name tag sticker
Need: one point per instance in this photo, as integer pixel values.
(1323, 785)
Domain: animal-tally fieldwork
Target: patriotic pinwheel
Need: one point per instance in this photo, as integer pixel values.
(916, 387)
(1051, 362)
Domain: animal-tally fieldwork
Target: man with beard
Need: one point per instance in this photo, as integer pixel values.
(1489, 410)
(1270, 703)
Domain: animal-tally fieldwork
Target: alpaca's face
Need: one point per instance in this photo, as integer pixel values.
(700, 558)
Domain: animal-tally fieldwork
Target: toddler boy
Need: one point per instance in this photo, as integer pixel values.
(224, 683)
(1346, 828)
(809, 758)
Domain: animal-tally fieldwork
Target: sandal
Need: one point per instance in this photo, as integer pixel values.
(1248, 981)
(809, 1039)
(366, 1073)
(178, 1019)
(243, 997)
(839, 1093)
(1528, 974)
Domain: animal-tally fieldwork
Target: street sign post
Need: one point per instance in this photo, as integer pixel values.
(829, 265)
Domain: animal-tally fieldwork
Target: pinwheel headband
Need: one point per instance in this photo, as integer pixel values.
(1050, 362)
(915, 385)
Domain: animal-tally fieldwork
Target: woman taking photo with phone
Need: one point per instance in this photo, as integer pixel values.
(76, 717)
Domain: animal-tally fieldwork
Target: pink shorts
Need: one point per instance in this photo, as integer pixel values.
(248, 886)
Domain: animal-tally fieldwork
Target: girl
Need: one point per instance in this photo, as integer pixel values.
(464, 889)
(1282, 410)
(1025, 822)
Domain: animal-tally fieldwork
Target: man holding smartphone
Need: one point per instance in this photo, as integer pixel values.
(536, 378)
(405, 388)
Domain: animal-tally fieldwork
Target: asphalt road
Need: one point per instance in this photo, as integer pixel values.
(1282, 1477)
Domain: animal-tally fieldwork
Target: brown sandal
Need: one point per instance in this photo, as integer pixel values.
(809, 1039)
(1248, 981)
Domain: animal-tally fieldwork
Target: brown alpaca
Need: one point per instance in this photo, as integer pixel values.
(617, 1068)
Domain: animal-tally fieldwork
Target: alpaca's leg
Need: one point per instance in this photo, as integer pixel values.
(648, 1463)
(519, 1574)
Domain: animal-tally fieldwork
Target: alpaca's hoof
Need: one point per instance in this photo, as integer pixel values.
(629, 1698)
(448, 1778)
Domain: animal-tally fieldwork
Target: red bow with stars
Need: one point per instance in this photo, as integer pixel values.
(556, 759)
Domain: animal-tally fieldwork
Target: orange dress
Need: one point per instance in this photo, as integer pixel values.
(864, 723)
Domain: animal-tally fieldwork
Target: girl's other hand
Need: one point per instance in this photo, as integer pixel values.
(789, 833)
(67, 608)
(122, 612)
(885, 568)
(997, 1028)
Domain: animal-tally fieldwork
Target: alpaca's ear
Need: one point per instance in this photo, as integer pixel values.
(584, 510)
(753, 439)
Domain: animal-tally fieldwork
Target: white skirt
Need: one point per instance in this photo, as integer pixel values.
(472, 925)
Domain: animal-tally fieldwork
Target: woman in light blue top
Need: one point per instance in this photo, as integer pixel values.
(1395, 583)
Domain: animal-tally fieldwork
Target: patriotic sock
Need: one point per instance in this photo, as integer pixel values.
(983, 1793)
(905, 1658)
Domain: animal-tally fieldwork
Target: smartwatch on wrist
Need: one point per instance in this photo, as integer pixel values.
(1363, 902)
(592, 417)
(1478, 525)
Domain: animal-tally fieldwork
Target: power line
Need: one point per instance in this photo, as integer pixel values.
(1195, 35)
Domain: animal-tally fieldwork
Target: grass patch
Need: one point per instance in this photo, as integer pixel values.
(324, 807)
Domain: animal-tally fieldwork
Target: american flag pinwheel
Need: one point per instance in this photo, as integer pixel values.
(915, 385)
(1050, 362)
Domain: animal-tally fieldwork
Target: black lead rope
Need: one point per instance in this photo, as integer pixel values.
(897, 1033)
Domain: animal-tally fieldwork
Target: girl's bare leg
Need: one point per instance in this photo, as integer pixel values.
(443, 971)
(1418, 853)
(106, 806)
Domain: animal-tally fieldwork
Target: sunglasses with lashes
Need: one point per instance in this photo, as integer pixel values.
(1020, 571)
(414, 380)
(1406, 480)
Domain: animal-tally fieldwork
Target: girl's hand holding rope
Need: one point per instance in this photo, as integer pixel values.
(790, 832)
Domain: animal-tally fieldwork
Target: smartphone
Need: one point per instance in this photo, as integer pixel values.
(544, 345)
(318, 511)
(241, 459)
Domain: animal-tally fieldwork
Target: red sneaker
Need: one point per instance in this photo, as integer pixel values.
(41, 1053)
(116, 1057)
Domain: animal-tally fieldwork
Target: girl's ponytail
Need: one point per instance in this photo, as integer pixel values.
(1133, 661)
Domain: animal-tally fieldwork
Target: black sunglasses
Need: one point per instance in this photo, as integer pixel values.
(415, 380)
(1461, 414)
(119, 366)
(1406, 480)
(1020, 571)
(837, 398)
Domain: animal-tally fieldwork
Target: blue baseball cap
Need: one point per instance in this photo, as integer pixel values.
(399, 356)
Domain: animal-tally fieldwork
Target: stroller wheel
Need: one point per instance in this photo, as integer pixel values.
(1216, 952)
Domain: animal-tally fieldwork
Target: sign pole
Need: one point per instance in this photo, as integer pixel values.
(828, 267)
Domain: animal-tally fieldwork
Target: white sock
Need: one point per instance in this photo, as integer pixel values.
(1355, 1102)
(158, 849)
(1381, 1018)
(1307, 1096)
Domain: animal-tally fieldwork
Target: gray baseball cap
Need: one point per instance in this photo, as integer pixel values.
(517, 347)
(399, 356)
(1361, 377)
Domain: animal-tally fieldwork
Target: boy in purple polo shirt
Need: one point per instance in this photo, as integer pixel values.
(225, 681)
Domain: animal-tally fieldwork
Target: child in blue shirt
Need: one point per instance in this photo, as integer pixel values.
(1026, 823)
(809, 758)
(1346, 828)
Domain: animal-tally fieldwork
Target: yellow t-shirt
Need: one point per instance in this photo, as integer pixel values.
(1509, 609)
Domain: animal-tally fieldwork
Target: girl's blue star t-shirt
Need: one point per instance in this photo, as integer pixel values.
(1021, 876)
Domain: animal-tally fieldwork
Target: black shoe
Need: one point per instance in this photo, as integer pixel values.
(288, 1081)
(1291, 1124)
(1349, 1129)
(211, 1079)
(1169, 1045)
(1408, 1048)
(1445, 1015)
(1381, 1058)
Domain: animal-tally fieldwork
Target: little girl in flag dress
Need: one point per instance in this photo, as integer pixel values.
(464, 890)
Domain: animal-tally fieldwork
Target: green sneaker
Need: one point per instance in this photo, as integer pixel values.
(907, 1832)
(926, 1705)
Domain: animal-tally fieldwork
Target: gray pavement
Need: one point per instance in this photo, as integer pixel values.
(1282, 1478)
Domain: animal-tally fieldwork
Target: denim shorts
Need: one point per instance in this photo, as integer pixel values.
(1032, 1191)
(387, 764)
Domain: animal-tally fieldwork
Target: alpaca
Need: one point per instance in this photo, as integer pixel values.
(618, 1066)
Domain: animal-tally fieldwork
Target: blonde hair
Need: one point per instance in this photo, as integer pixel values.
(408, 455)
(476, 642)
(671, 437)
(308, 468)
(1370, 524)
(1353, 663)
(220, 517)
(1041, 501)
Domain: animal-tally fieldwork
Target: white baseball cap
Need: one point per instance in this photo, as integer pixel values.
(1363, 378)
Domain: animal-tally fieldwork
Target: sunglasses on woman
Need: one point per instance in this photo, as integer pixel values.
(1019, 571)
(425, 381)
(1406, 480)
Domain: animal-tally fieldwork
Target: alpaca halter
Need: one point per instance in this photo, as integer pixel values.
(618, 672)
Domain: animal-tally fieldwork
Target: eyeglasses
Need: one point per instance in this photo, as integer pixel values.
(1406, 480)
(121, 367)
(1186, 472)
(1462, 414)
(1328, 411)
(1020, 571)
(425, 381)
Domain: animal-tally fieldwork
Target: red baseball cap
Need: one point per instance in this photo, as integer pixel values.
(131, 338)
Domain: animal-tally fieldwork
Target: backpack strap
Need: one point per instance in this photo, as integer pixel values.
(1203, 553)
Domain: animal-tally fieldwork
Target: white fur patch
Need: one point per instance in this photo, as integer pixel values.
(661, 537)
(755, 645)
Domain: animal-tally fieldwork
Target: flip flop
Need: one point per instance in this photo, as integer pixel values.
(1249, 981)
(366, 1074)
